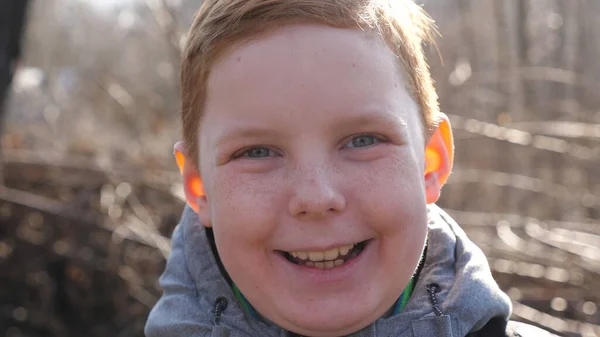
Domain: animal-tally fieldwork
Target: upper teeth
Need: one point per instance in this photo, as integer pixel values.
(328, 255)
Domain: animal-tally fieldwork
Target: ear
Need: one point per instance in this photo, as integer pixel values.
(192, 184)
(439, 156)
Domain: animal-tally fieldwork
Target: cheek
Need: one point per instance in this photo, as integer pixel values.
(243, 208)
(394, 193)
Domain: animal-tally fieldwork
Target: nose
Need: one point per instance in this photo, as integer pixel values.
(315, 196)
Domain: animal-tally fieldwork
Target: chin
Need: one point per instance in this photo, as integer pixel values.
(335, 325)
(327, 331)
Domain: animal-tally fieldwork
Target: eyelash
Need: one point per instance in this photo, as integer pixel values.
(377, 138)
(244, 152)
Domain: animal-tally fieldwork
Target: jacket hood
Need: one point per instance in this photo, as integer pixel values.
(454, 295)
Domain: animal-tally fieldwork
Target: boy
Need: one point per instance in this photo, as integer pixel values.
(313, 153)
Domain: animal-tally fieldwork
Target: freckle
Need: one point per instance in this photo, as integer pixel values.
(239, 59)
(353, 65)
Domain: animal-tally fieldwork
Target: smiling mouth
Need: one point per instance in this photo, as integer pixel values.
(329, 259)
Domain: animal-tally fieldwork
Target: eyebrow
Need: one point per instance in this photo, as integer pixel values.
(245, 133)
(360, 120)
(367, 119)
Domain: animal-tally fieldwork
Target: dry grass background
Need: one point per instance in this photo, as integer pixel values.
(91, 190)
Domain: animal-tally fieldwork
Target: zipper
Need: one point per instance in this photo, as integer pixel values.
(432, 290)
(219, 307)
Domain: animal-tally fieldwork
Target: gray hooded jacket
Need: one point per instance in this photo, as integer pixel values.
(455, 294)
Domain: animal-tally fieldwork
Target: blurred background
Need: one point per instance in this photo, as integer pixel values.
(91, 194)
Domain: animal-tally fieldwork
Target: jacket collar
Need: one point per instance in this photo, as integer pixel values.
(455, 293)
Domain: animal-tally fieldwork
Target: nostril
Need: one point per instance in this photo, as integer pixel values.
(315, 199)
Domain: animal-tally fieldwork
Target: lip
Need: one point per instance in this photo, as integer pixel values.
(316, 276)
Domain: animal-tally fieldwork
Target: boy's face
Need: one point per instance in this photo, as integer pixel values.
(310, 143)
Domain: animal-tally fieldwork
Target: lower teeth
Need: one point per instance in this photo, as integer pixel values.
(324, 264)
(330, 264)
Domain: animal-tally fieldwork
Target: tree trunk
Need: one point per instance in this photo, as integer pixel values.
(12, 19)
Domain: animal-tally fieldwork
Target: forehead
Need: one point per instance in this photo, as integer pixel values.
(306, 71)
(299, 52)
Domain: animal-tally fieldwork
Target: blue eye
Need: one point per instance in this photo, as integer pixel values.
(362, 141)
(257, 152)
